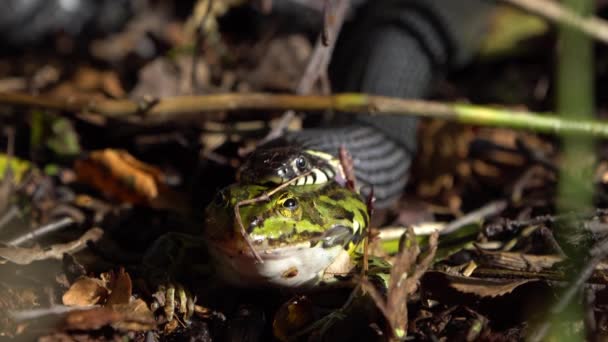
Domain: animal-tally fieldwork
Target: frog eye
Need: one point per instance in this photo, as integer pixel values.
(290, 203)
(301, 163)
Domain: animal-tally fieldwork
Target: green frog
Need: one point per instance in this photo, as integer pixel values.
(298, 233)
(304, 235)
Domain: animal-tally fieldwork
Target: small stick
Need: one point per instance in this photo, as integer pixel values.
(592, 26)
(187, 108)
(318, 62)
(198, 43)
(490, 209)
(370, 208)
(598, 253)
(41, 231)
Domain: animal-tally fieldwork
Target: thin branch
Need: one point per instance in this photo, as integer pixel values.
(188, 107)
(324, 47)
(42, 231)
(598, 254)
(198, 46)
(25, 256)
(264, 197)
(553, 11)
(319, 59)
(490, 209)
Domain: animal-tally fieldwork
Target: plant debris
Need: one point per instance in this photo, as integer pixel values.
(96, 170)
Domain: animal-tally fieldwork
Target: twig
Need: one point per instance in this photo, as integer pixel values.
(552, 10)
(41, 231)
(490, 209)
(404, 279)
(598, 254)
(24, 256)
(185, 107)
(10, 214)
(319, 59)
(262, 198)
(507, 225)
(24, 315)
(348, 167)
(198, 45)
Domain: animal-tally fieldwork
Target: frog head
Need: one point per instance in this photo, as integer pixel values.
(298, 232)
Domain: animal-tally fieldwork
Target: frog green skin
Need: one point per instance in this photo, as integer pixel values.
(304, 234)
(298, 233)
(277, 165)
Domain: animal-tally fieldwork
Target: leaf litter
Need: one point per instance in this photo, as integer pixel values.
(471, 283)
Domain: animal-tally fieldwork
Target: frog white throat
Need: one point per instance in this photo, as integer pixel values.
(297, 266)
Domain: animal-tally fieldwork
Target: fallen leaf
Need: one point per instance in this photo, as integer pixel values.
(85, 291)
(119, 175)
(487, 287)
(518, 261)
(481, 287)
(121, 288)
(405, 276)
(90, 319)
(136, 316)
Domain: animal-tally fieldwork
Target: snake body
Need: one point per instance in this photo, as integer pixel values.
(392, 48)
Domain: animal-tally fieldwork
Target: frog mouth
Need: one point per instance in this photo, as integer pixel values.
(338, 235)
(264, 250)
(293, 266)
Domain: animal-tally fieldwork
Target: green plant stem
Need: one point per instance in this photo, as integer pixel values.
(202, 107)
(575, 102)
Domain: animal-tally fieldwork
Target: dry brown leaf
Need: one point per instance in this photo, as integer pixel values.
(85, 291)
(91, 319)
(453, 158)
(518, 261)
(486, 287)
(136, 316)
(481, 287)
(133, 316)
(404, 280)
(24, 256)
(121, 288)
(119, 175)
(88, 82)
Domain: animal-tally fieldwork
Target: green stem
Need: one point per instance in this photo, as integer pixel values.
(575, 102)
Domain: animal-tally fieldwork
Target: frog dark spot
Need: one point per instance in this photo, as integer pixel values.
(343, 214)
(290, 273)
(338, 196)
(357, 237)
(339, 212)
(365, 217)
